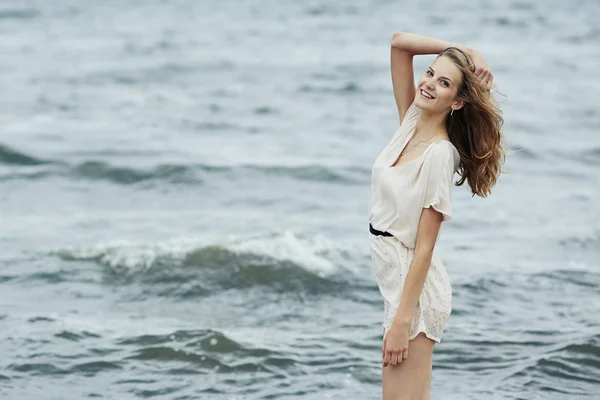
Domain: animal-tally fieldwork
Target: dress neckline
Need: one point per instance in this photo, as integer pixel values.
(414, 159)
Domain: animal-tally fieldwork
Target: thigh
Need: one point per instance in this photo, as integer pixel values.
(409, 380)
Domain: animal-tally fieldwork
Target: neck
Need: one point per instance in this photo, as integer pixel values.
(430, 123)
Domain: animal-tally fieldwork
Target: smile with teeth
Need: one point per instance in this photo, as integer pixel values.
(426, 94)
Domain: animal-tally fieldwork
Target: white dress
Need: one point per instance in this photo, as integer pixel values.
(398, 195)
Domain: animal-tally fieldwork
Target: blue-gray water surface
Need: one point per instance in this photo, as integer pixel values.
(184, 188)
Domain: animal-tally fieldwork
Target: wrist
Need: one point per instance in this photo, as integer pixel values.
(401, 322)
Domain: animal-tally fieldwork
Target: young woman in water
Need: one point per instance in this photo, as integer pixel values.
(449, 123)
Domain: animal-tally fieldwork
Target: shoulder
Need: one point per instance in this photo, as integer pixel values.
(411, 114)
(443, 154)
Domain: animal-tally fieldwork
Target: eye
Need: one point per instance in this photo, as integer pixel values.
(445, 83)
(429, 73)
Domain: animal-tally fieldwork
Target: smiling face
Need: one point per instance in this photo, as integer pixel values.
(438, 87)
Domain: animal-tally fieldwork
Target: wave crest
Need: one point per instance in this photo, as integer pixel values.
(285, 262)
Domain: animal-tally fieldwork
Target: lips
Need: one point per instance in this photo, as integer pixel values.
(426, 95)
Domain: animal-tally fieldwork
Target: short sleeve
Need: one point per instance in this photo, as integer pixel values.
(439, 171)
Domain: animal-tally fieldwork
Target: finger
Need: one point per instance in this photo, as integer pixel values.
(483, 76)
(386, 359)
(486, 81)
(490, 80)
(399, 357)
(394, 359)
(405, 354)
(483, 72)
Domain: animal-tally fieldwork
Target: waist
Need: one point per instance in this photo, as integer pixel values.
(377, 232)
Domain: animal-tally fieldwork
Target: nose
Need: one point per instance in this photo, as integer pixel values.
(429, 85)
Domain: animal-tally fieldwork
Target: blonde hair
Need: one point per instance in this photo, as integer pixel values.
(475, 129)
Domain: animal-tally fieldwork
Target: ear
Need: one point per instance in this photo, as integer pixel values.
(458, 104)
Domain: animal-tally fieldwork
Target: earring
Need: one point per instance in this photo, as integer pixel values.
(452, 112)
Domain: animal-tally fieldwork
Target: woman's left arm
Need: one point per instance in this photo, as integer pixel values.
(395, 343)
(429, 226)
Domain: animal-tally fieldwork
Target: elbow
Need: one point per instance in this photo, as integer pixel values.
(424, 253)
(398, 40)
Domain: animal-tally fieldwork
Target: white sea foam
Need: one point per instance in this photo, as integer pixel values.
(317, 254)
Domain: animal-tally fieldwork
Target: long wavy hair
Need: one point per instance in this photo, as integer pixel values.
(475, 129)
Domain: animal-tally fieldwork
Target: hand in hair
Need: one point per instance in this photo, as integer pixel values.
(482, 71)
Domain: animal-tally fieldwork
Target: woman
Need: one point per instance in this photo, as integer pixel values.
(449, 124)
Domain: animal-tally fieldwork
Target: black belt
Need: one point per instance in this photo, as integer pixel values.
(378, 233)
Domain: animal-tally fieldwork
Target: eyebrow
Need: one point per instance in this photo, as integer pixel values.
(443, 77)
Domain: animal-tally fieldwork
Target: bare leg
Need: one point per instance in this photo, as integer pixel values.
(426, 393)
(410, 380)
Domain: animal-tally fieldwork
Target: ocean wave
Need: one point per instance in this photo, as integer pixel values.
(15, 165)
(205, 340)
(44, 369)
(75, 336)
(199, 349)
(127, 175)
(186, 268)
(482, 286)
(348, 175)
(10, 156)
(591, 156)
(205, 349)
(577, 364)
(347, 88)
(196, 174)
(581, 278)
(19, 14)
(94, 367)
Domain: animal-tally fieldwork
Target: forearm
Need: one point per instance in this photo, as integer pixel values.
(413, 286)
(417, 44)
